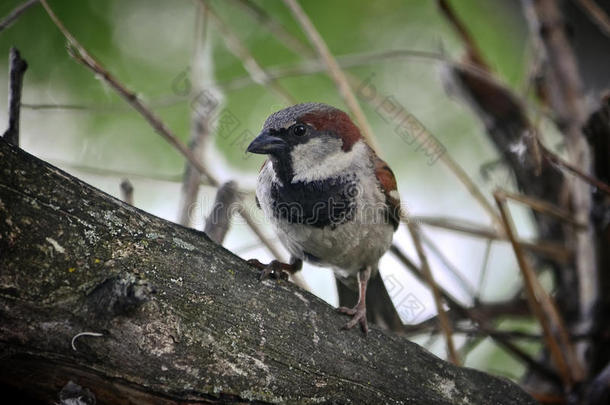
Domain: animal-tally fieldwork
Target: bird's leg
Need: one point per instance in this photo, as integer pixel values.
(277, 269)
(358, 312)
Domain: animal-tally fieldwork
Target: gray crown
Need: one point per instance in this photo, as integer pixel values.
(289, 115)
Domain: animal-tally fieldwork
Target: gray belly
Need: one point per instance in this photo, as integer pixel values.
(346, 248)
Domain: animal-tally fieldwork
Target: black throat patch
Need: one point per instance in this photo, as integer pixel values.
(321, 203)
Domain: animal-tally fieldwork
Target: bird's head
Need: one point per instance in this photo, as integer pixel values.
(305, 136)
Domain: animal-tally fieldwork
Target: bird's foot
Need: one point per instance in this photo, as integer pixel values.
(274, 269)
(358, 314)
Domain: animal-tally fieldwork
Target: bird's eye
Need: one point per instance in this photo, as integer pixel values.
(299, 130)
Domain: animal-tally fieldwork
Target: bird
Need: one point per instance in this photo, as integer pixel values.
(328, 196)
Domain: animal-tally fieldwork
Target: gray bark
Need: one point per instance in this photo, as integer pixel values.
(182, 319)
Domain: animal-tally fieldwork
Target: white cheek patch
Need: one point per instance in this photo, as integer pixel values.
(321, 158)
(394, 194)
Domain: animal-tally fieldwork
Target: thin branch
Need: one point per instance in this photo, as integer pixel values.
(82, 56)
(419, 274)
(307, 67)
(408, 122)
(545, 248)
(451, 268)
(516, 351)
(459, 225)
(107, 172)
(542, 207)
(535, 293)
(558, 160)
(79, 53)
(18, 67)
(483, 272)
(511, 335)
(275, 27)
(442, 315)
(461, 174)
(347, 61)
(200, 126)
(254, 69)
(556, 251)
(478, 315)
(105, 108)
(597, 14)
(263, 238)
(334, 71)
(16, 13)
(471, 46)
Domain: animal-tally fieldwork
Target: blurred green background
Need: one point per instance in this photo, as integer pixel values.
(75, 121)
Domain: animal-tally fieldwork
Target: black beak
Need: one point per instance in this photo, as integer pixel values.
(266, 144)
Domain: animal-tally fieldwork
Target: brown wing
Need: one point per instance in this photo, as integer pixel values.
(387, 181)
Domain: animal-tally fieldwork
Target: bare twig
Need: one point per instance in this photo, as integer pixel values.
(558, 160)
(451, 268)
(535, 294)
(107, 172)
(419, 274)
(276, 72)
(334, 71)
(479, 315)
(345, 62)
(511, 335)
(254, 69)
(79, 53)
(127, 191)
(542, 207)
(191, 178)
(199, 126)
(556, 251)
(429, 143)
(597, 14)
(16, 13)
(104, 108)
(442, 316)
(275, 27)
(18, 67)
(473, 50)
(483, 272)
(218, 222)
(461, 174)
(459, 225)
(82, 56)
(540, 368)
(545, 248)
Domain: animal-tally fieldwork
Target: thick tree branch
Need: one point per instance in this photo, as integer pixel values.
(182, 319)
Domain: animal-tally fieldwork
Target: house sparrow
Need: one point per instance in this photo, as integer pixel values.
(331, 200)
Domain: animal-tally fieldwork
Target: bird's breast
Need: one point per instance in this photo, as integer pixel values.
(320, 203)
